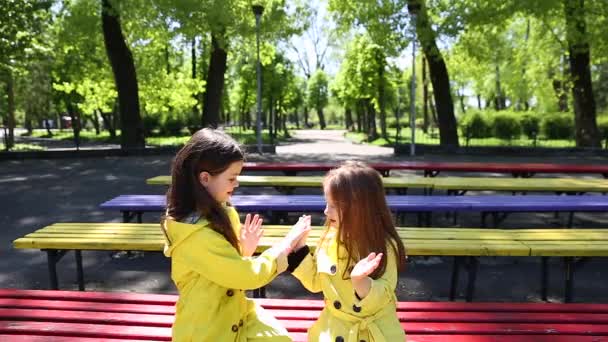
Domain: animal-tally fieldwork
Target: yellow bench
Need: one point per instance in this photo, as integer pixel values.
(465, 244)
(452, 185)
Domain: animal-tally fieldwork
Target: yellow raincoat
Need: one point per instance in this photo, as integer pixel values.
(211, 276)
(345, 318)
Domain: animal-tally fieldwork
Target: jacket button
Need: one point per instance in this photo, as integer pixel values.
(362, 341)
(240, 323)
(229, 293)
(234, 328)
(337, 304)
(333, 269)
(356, 308)
(339, 339)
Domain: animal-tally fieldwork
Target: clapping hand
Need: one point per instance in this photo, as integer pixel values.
(298, 234)
(251, 233)
(366, 266)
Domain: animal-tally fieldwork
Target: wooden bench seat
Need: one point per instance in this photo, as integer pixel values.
(432, 168)
(452, 185)
(66, 316)
(465, 244)
(277, 206)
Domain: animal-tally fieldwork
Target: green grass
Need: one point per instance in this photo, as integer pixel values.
(428, 139)
(23, 147)
(245, 137)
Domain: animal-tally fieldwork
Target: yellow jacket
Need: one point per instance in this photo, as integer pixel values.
(211, 276)
(346, 318)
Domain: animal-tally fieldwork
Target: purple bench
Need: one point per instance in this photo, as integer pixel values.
(277, 206)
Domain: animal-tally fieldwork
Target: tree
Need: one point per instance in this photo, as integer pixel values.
(586, 132)
(318, 94)
(121, 59)
(385, 23)
(20, 24)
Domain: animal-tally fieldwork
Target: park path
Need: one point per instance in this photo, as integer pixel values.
(328, 143)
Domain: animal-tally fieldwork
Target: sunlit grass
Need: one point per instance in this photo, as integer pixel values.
(432, 138)
(23, 147)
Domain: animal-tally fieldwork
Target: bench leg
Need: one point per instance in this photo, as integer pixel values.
(79, 272)
(259, 292)
(51, 258)
(454, 280)
(570, 219)
(569, 281)
(544, 275)
(472, 269)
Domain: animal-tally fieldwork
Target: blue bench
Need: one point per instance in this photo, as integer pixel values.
(277, 206)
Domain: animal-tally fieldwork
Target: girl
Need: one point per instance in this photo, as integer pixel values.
(210, 252)
(356, 261)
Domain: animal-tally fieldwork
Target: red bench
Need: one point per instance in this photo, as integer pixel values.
(433, 168)
(66, 316)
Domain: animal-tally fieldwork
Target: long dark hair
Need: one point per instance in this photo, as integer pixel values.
(207, 150)
(366, 224)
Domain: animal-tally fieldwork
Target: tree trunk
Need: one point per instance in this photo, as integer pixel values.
(360, 115)
(381, 95)
(479, 101)
(425, 96)
(320, 114)
(306, 124)
(215, 85)
(587, 134)
(96, 122)
(195, 110)
(10, 120)
(348, 119)
(448, 133)
(121, 59)
(372, 132)
(463, 108)
(499, 102)
(74, 117)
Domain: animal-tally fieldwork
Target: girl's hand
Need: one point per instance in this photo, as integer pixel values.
(365, 266)
(298, 232)
(251, 233)
(305, 219)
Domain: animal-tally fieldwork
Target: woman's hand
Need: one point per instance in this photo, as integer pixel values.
(251, 233)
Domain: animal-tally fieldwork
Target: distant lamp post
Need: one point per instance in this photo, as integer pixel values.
(258, 10)
(413, 7)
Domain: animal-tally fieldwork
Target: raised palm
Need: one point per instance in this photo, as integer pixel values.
(366, 266)
(299, 232)
(251, 232)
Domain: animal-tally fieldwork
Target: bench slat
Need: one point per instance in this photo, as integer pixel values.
(46, 338)
(165, 320)
(17, 296)
(139, 332)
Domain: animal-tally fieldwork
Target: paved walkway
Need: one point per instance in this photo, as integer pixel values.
(329, 143)
(35, 193)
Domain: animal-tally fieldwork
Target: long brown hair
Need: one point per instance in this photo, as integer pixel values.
(207, 150)
(366, 224)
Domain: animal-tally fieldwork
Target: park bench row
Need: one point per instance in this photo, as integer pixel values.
(464, 244)
(68, 316)
(276, 207)
(452, 185)
(431, 168)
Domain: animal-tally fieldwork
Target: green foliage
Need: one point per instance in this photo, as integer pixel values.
(475, 125)
(506, 126)
(530, 125)
(558, 126)
(318, 90)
